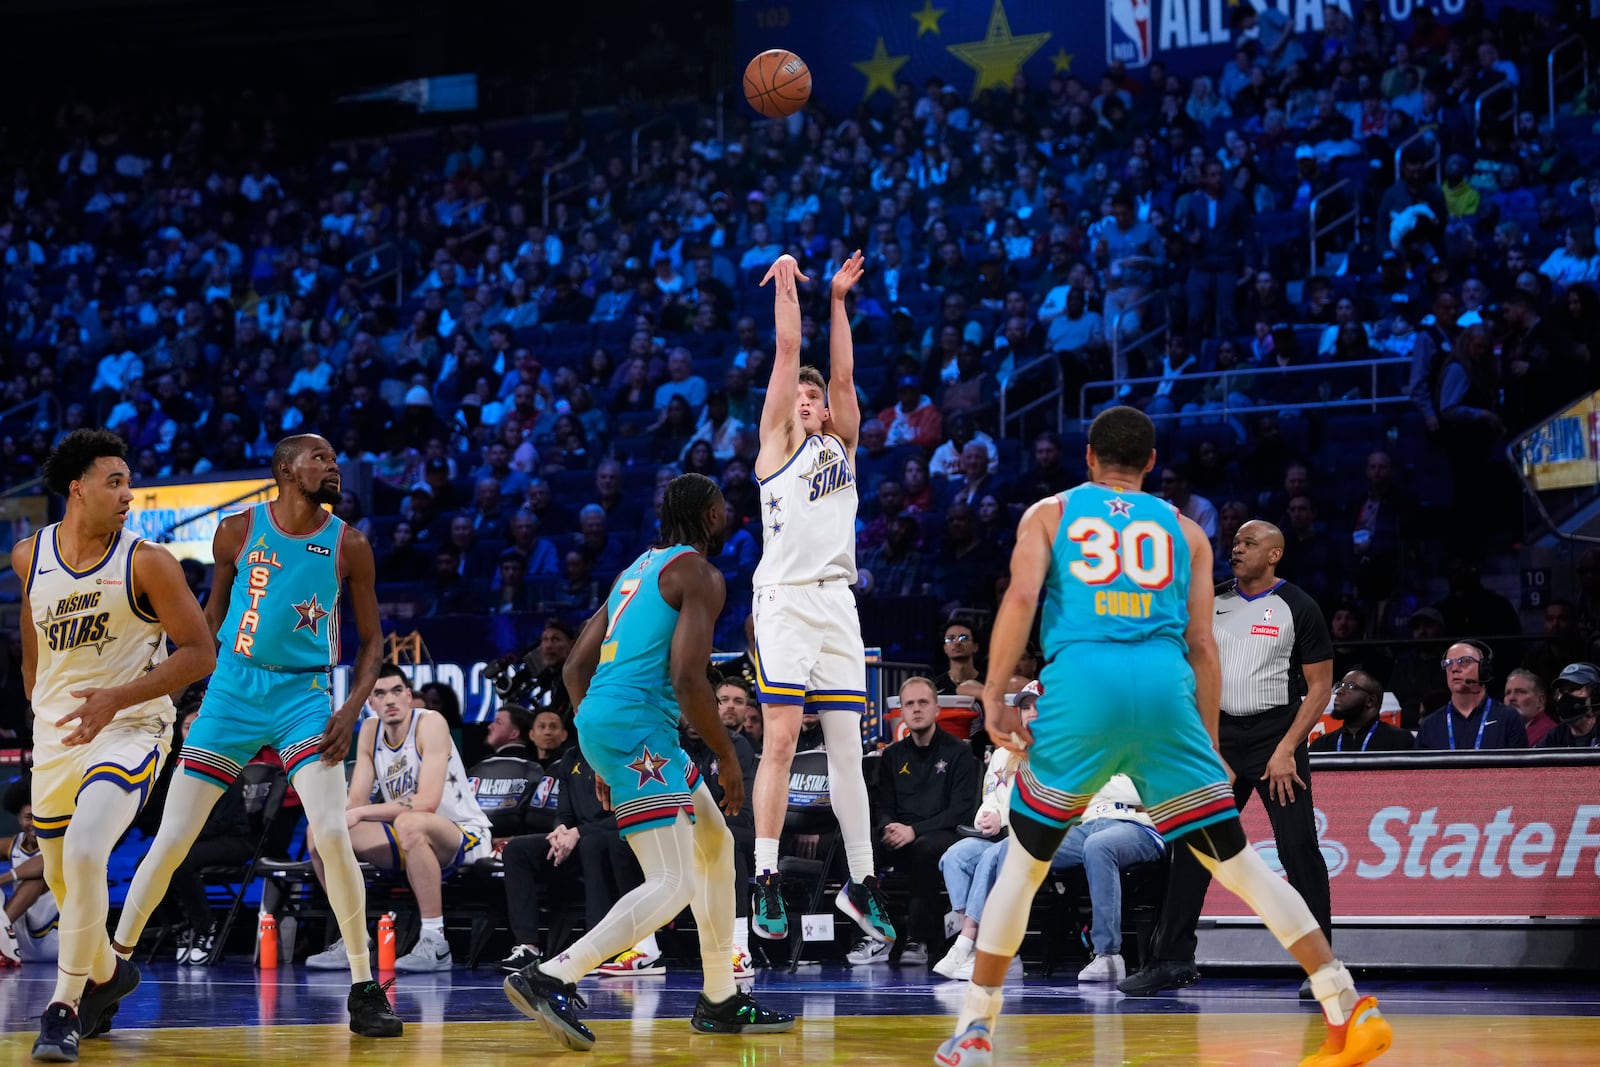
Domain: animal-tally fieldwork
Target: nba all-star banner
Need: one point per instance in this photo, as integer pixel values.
(1506, 843)
(858, 49)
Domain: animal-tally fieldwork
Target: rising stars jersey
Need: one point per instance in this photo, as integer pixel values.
(808, 515)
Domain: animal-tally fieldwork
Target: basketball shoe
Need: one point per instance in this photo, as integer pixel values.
(371, 1014)
(970, 1048)
(552, 1004)
(744, 967)
(863, 901)
(769, 918)
(739, 1014)
(10, 955)
(58, 1035)
(1366, 1036)
(100, 999)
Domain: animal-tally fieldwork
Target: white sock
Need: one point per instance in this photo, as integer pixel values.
(1335, 990)
(648, 946)
(967, 944)
(982, 1005)
(741, 935)
(766, 855)
(434, 925)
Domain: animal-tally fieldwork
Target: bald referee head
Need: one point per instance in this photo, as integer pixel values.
(1257, 549)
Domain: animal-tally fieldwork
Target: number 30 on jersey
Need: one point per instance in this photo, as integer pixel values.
(1141, 552)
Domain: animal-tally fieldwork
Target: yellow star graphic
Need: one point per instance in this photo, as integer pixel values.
(999, 56)
(880, 69)
(1063, 61)
(928, 18)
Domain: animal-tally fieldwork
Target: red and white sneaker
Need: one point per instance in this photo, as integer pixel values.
(10, 955)
(633, 963)
(744, 968)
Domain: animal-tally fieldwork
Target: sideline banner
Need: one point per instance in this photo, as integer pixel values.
(1487, 842)
(159, 508)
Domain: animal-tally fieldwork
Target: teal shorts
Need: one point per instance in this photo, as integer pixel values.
(632, 743)
(1115, 707)
(246, 708)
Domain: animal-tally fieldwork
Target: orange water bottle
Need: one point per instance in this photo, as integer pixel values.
(267, 942)
(386, 942)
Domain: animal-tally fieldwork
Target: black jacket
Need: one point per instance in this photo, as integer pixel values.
(927, 789)
(1383, 738)
(707, 761)
(578, 805)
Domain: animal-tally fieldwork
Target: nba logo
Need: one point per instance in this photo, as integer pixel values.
(1266, 615)
(1129, 31)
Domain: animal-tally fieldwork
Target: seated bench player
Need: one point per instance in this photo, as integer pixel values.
(427, 823)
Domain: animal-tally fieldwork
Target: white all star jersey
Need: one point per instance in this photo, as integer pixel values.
(808, 511)
(398, 771)
(92, 633)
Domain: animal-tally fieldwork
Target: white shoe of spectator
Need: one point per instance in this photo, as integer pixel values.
(744, 968)
(431, 953)
(634, 962)
(915, 954)
(332, 958)
(964, 972)
(868, 952)
(1104, 969)
(961, 951)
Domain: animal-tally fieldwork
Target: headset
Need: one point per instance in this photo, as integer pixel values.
(1485, 662)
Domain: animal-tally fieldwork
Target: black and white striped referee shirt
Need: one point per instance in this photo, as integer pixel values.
(1263, 640)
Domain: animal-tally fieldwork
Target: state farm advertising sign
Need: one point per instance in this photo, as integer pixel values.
(1512, 842)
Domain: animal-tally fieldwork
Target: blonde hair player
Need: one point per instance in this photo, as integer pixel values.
(100, 604)
(808, 651)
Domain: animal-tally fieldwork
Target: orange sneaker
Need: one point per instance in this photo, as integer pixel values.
(1365, 1037)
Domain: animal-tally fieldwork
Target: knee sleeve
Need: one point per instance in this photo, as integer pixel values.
(1248, 877)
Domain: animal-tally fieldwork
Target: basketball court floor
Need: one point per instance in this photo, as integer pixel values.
(232, 1014)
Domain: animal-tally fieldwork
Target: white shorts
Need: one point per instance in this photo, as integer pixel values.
(128, 755)
(808, 648)
(36, 930)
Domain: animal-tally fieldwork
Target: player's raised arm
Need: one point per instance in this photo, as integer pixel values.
(1203, 658)
(1030, 566)
(844, 408)
(360, 577)
(579, 669)
(783, 387)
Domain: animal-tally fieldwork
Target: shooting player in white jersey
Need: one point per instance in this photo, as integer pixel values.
(808, 651)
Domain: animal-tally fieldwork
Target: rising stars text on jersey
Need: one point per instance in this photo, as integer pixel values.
(830, 473)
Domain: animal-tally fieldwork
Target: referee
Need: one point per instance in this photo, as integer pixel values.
(1277, 676)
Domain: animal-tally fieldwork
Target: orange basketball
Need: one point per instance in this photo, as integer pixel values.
(777, 83)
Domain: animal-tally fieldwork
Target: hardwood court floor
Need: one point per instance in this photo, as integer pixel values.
(863, 1018)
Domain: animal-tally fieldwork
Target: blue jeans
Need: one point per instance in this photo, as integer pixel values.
(1104, 848)
(970, 867)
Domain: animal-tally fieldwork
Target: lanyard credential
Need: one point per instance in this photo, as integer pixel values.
(1365, 741)
(1450, 725)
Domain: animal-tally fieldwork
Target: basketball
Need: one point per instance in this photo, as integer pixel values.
(777, 83)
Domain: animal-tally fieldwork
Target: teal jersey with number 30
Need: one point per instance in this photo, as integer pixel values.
(1119, 570)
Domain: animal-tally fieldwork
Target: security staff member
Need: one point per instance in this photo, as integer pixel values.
(927, 786)
(1357, 699)
(1473, 719)
(1277, 675)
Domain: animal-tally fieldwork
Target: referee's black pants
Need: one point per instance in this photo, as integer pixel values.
(1247, 744)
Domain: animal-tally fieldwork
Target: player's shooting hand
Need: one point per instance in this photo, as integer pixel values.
(849, 273)
(1280, 775)
(336, 735)
(785, 270)
(99, 707)
(1004, 722)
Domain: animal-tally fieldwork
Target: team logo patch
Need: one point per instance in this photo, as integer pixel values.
(1120, 507)
(648, 766)
(311, 613)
